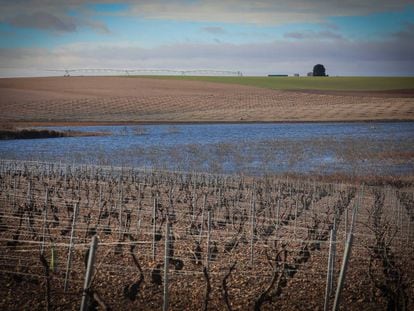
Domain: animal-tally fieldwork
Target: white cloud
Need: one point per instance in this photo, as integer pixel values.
(260, 11)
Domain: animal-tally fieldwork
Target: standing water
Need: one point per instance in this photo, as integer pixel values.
(379, 148)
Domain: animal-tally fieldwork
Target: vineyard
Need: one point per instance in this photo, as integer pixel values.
(123, 238)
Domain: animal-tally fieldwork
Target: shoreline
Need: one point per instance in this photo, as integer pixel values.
(33, 133)
(399, 181)
(20, 124)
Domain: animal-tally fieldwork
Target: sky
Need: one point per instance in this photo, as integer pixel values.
(256, 37)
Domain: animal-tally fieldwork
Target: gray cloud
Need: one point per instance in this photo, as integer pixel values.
(330, 26)
(43, 20)
(215, 30)
(407, 33)
(325, 34)
(49, 15)
(230, 11)
(47, 21)
(96, 25)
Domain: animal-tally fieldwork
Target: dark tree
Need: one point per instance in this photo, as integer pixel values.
(319, 71)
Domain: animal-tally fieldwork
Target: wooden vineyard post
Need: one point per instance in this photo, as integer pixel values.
(89, 273)
(99, 207)
(304, 209)
(166, 263)
(154, 227)
(253, 225)
(139, 209)
(276, 214)
(354, 212)
(69, 261)
(65, 179)
(29, 185)
(202, 217)
(344, 268)
(333, 253)
(219, 199)
(278, 210)
(346, 223)
(328, 274)
(120, 207)
(296, 218)
(347, 253)
(44, 222)
(208, 239)
(193, 201)
(401, 225)
(14, 195)
(397, 208)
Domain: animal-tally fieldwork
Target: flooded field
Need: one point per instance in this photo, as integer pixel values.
(373, 148)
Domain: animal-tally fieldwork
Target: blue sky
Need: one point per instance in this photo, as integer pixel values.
(366, 37)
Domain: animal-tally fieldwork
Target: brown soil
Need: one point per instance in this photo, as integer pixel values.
(93, 100)
(22, 277)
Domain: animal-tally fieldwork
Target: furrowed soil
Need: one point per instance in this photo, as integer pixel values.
(275, 231)
(95, 100)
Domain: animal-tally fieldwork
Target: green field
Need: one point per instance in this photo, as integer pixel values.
(310, 83)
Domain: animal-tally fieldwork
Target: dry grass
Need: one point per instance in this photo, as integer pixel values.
(121, 99)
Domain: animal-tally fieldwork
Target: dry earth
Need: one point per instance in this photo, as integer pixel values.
(289, 215)
(123, 99)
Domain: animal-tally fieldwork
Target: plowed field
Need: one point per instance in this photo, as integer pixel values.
(123, 99)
